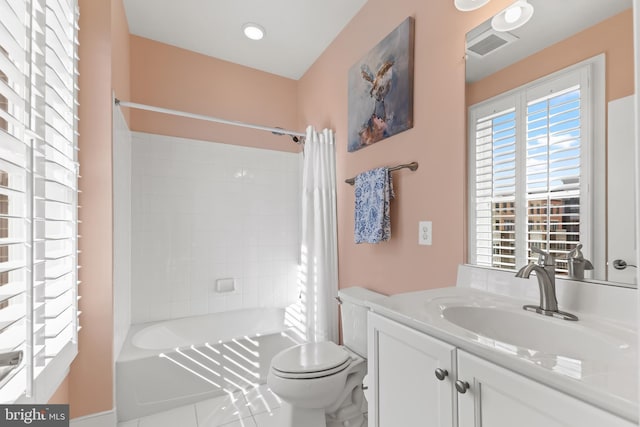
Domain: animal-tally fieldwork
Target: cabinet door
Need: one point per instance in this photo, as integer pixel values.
(498, 397)
(405, 390)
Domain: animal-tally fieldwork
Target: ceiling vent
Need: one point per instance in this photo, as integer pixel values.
(489, 41)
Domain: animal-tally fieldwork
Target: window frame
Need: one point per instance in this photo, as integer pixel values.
(593, 155)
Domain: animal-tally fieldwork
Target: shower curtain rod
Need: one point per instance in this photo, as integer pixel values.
(296, 136)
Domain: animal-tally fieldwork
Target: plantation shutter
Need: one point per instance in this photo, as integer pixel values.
(529, 172)
(553, 172)
(56, 181)
(38, 193)
(14, 187)
(495, 189)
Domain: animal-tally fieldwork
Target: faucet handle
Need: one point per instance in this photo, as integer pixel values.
(544, 258)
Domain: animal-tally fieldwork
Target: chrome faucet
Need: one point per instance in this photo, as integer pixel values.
(545, 270)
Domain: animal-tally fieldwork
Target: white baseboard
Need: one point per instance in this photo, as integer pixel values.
(102, 419)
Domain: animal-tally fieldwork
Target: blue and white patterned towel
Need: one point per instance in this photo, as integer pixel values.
(374, 191)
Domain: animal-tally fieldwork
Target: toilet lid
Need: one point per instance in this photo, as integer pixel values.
(313, 358)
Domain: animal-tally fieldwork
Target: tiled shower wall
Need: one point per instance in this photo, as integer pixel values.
(121, 230)
(204, 211)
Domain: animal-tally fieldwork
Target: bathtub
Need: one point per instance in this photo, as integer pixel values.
(173, 363)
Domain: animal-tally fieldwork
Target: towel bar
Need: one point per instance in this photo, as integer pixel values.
(411, 166)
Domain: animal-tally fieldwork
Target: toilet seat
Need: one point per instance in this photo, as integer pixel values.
(312, 360)
(311, 375)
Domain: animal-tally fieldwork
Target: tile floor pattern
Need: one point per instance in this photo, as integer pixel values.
(257, 408)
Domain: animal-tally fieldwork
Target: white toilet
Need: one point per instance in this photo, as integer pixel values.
(320, 384)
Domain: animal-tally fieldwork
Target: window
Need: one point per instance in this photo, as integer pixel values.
(530, 171)
(38, 194)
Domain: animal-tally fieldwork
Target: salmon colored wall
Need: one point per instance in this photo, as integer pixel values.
(436, 191)
(61, 396)
(120, 53)
(103, 67)
(178, 79)
(614, 37)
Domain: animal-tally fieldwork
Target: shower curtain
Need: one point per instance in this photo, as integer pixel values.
(318, 278)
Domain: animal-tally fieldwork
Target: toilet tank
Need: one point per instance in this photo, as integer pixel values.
(355, 303)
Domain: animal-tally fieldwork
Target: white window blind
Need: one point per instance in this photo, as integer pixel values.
(38, 192)
(529, 172)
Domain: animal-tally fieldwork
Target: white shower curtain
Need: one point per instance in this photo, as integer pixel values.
(319, 248)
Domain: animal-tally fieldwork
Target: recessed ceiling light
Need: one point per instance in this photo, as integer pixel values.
(513, 16)
(253, 31)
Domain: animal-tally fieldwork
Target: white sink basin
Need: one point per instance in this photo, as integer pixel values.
(530, 331)
(588, 345)
(594, 358)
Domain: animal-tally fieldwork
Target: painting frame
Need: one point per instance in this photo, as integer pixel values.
(380, 92)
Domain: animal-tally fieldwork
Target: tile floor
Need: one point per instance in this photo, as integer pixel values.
(257, 408)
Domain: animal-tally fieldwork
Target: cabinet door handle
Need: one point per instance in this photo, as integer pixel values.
(441, 374)
(462, 386)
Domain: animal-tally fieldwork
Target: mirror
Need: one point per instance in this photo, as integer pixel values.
(536, 50)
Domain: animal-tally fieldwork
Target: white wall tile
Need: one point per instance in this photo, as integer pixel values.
(250, 299)
(203, 211)
(122, 228)
(233, 302)
(199, 306)
(217, 303)
(181, 309)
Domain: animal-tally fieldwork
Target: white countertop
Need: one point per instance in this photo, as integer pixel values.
(602, 371)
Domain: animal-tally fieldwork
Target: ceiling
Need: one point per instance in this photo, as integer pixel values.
(297, 31)
(552, 21)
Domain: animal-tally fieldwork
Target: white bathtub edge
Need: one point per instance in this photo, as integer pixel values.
(132, 352)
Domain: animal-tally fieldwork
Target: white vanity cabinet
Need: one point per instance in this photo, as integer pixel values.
(404, 390)
(498, 397)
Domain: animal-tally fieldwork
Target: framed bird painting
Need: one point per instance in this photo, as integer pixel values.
(381, 89)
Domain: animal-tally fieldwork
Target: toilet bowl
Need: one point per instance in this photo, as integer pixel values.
(320, 384)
